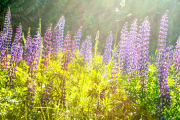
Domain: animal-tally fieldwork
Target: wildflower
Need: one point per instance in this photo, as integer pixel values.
(33, 54)
(66, 51)
(46, 46)
(177, 63)
(27, 45)
(5, 40)
(57, 40)
(86, 50)
(15, 55)
(162, 38)
(78, 35)
(107, 51)
(132, 58)
(122, 51)
(143, 51)
(163, 62)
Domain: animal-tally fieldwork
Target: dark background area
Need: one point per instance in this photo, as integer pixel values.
(93, 15)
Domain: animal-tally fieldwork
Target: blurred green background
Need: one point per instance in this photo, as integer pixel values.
(94, 15)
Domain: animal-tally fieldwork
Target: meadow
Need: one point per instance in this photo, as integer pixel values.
(58, 76)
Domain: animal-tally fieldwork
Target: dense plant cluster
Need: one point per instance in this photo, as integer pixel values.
(49, 77)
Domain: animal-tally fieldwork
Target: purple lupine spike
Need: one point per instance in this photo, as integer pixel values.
(15, 55)
(165, 99)
(83, 47)
(46, 46)
(65, 61)
(143, 51)
(162, 38)
(26, 49)
(16, 46)
(114, 76)
(62, 32)
(177, 63)
(33, 54)
(66, 51)
(7, 29)
(122, 50)
(107, 51)
(162, 62)
(169, 55)
(88, 56)
(78, 35)
(132, 58)
(55, 46)
(60, 28)
(76, 41)
(57, 42)
(5, 40)
(9, 40)
(86, 50)
(37, 41)
(20, 51)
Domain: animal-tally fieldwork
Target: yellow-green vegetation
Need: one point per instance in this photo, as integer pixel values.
(88, 93)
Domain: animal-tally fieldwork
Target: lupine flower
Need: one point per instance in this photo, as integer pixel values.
(122, 51)
(86, 50)
(57, 42)
(15, 54)
(169, 55)
(132, 50)
(58, 31)
(107, 51)
(27, 44)
(88, 58)
(33, 54)
(62, 31)
(177, 63)
(165, 99)
(76, 41)
(114, 76)
(46, 46)
(143, 51)
(78, 38)
(37, 45)
(5, 40)
(162, 62)
(66, 51)
(83, 47)
(162, 38)
(65, 61)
